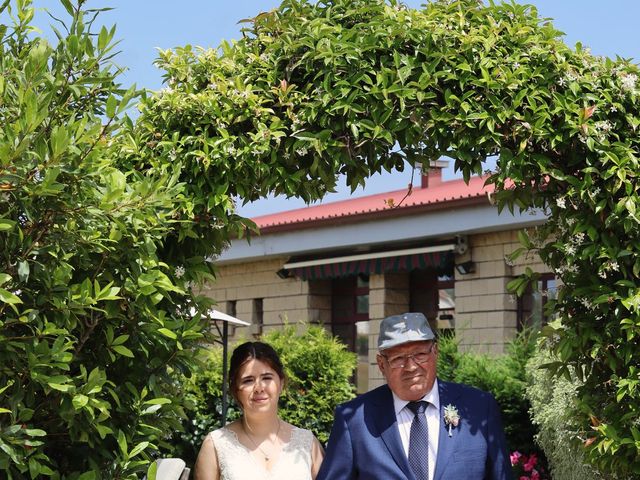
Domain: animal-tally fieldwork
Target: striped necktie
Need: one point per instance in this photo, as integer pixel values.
(419, 441)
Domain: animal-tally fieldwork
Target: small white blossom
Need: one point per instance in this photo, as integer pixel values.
(628, 81)
(604, 126)
(561, 202)
(613, 109)
(302, 151)
(570, 249)
(516, 65)
(37, 176)
(578, 238)
(179, 271)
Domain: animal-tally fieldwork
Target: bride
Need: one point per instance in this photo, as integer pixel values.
(259, 445)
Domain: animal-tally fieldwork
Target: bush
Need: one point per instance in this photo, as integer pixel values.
(504, 377)
(319, 371)
(552, 410)
(94, 314)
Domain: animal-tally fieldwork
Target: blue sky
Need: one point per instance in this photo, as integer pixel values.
(607, 27)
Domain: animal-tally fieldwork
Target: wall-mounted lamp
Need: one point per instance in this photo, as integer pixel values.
(283, 273)
(466, 267)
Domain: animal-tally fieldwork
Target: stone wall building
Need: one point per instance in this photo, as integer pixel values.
(346, 265)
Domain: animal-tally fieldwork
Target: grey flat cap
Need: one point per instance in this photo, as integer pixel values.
(399, 329)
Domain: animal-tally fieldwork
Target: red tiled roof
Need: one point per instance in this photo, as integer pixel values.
(441, 195)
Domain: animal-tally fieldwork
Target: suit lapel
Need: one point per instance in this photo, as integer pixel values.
(448, 395)
(386, 422)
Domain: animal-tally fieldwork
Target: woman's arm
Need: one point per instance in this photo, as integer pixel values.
(317, 454)
(207, 462)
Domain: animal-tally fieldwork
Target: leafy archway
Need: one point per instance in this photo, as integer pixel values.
(357, 86)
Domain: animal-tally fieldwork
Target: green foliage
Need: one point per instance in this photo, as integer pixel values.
(318, 369)
(504, 377)
(94, 317)
(203, 404)
(359, 86)
(553, 410)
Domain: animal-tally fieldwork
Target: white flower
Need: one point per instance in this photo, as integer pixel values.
(179, 271)
(561, 202)
(302, 151)
(604, 125)
(628, 81)
(570, 249)
(451, 417)
(613, 109)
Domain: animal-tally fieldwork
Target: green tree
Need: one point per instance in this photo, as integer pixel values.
(313, 90)
(94, 313)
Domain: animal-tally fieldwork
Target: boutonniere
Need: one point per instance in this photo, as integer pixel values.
(451, 417)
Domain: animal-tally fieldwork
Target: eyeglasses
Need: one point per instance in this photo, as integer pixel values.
(399, 361)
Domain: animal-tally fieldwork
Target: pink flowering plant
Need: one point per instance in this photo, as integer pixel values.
(527, 467)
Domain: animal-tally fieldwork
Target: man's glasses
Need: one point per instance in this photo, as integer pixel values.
(399, 361)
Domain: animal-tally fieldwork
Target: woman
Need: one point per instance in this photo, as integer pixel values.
(275, 449)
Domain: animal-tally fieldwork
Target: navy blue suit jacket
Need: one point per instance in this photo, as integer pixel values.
(365, 442)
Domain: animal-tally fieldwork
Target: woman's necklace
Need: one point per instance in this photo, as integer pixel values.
(246, 428)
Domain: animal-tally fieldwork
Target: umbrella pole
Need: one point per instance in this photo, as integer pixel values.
(225, 341)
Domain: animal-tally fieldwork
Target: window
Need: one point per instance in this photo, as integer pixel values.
(532, 305)
(257, 317)
(350, 321)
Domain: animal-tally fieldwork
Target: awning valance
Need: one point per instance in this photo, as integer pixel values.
(437, 257)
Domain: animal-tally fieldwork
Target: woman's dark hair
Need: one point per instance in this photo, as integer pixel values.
(250, 351)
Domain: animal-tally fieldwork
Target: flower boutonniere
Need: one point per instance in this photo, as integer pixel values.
(451, 417)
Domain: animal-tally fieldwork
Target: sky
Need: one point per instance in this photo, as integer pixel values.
(143, 26)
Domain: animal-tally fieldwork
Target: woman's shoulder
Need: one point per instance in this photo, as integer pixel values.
(300, 435)
(229, 431)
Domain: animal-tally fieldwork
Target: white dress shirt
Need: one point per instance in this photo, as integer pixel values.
(405, 416)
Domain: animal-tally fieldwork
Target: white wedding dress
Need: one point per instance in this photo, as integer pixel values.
(237, 463)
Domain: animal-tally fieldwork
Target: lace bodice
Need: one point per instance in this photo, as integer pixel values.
(237, 463)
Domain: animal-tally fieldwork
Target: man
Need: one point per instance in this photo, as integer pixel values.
(415, 427)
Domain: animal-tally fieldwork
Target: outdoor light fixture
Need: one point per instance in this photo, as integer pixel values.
(283, 273)
(466, 267)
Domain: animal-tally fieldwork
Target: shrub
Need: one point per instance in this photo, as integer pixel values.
(504, 377)
(319, 371)
(93, 313)
(553, 411)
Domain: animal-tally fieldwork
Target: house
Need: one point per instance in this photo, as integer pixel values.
(438, 248)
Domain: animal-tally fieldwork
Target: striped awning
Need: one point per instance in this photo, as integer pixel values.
(439, 258)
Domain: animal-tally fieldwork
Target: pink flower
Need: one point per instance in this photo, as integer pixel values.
(515, 457)
(535, 475)
(531, 463)
(524, 477)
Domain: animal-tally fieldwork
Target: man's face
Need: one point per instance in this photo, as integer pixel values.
(413, 380)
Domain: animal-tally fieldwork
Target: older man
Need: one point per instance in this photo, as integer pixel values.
(416, 427)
